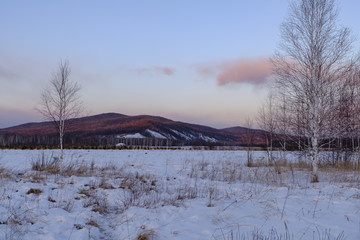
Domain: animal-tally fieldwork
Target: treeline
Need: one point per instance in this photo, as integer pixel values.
(74, 141)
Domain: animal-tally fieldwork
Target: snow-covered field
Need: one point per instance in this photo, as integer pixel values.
(173, 194)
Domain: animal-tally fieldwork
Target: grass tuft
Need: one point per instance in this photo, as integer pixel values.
(34, 191)
(146, 235)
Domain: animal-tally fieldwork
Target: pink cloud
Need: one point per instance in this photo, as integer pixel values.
(245, 71)
(163, 70)
(238, 71)
(166, 70)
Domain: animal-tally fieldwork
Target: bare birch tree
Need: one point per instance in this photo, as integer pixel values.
(309, 65)
(266, 121)
(61, 101)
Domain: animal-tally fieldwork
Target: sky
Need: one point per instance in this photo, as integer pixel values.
(203, 61)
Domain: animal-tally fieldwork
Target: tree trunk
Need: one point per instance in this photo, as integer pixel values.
(315, 160)
(61, 139)
(315, 131)
(271, 152)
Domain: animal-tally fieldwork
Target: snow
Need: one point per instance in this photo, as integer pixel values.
(168, 136)
(135, 135)
(155, 134)
(192, 137)
(173, 194)
(187, 137)
(206, 138)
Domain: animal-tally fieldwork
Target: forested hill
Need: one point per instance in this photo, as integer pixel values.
(114, 128)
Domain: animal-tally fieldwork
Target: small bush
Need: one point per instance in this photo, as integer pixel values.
(146, 235)
(97, 201)
(50, 199)
(34, 191)
(45, 164)
(93, 223)
(105, 185)
(78, 226)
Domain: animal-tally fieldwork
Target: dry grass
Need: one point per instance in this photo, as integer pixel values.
(146, 235)
(35, 177)
(93, 223)
(17, 219)
(95, 200)
(282, 172)
(76, 169)
(66, 204)
(105, 184)
(273, 234)
(46, 164)
(50, 165)
(6, 174)
(34, 191)
(340, 165)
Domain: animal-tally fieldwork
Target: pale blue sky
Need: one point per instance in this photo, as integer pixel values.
(168, 58)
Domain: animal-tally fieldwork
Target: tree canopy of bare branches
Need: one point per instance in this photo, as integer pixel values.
(310, 67)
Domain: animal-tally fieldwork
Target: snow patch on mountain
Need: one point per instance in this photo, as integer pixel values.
(175, 135)
(206, 138)
(155, 134)
(135, 135)
(183, 135)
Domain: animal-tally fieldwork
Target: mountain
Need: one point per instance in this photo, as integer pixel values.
(253, 136)
(113, 128)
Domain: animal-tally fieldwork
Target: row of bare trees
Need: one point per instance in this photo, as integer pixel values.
(315, 101)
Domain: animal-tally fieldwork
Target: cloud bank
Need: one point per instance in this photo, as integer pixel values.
(245, 71)
(255, 72)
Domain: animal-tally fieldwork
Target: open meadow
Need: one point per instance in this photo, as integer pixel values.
(173, 194)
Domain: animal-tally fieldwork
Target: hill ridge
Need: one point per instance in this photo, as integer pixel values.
(119, 127)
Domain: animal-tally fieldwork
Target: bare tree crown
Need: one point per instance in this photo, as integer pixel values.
(61, 100)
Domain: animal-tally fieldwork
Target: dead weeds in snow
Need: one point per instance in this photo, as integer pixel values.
(146, 235)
